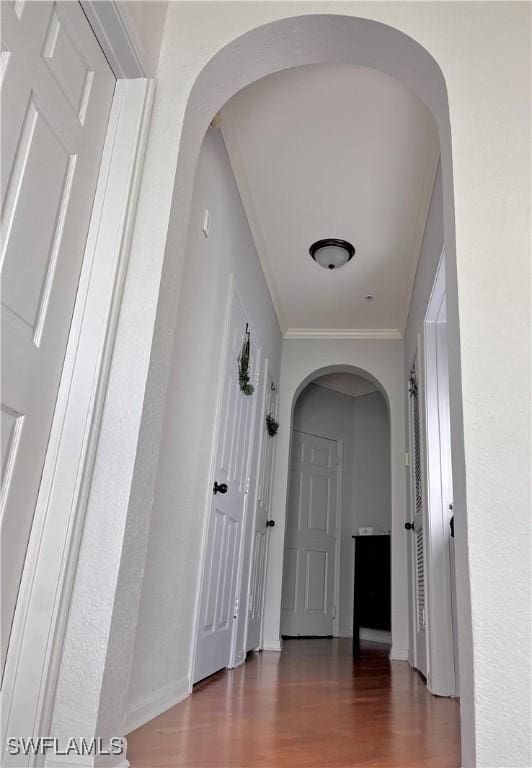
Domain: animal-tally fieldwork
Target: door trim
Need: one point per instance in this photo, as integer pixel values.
(117, 38)
(441, 678)
(252, 471)
(268, 376)
(418, 361)
(44, 597)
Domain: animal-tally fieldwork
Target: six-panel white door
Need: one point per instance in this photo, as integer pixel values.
(232, 467)
(310, 545)
(56, 96)
(262, 513)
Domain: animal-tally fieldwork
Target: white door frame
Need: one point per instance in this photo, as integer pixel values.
(338, 536)
(42, 608)
(235, 659)
(270, 480)
(441, 677)
(417, 362)
(243, 614)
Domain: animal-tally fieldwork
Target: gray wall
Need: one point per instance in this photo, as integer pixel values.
(372, 499)
(362, 424)
(161, 665)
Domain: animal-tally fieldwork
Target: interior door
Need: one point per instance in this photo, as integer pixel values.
(232, 465)
(56, 97)
(307, 607)
(417, 526)
(446, 472)
(262, 513)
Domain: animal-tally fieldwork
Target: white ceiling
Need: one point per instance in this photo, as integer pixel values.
(346, 383)
(332, 151)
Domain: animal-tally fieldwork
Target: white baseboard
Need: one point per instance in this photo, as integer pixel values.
(344, 632)
(375, 635)
(156, 703)
(398, 654)
(272, 645)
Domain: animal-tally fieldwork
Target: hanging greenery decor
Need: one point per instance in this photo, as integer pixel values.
(243, 368)
(412, 383)
(271, 425)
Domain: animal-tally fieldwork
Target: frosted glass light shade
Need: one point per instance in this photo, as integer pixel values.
(331, 253)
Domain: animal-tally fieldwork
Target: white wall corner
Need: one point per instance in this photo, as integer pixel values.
(272, 645)
(145, 709)
(344, 631)
(398, 654)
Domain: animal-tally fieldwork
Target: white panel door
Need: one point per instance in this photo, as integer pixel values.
(310, 543)
(56, 97)
(232, 465)
(446, 473)
(262, 513)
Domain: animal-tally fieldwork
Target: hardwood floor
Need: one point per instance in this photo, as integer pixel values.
(310, 706)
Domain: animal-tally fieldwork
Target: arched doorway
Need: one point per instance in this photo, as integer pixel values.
(282, 44)
(339, 494)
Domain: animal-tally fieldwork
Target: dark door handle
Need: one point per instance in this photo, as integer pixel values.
(409, 526)
(220, 488)
(451, 526)
(270, 523)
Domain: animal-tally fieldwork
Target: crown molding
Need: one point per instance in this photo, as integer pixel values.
(386, 334)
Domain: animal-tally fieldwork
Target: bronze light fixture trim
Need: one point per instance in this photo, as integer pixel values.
(331, 252)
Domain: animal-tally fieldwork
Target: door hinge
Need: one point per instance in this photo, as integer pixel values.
(235, 612)
(246, 487)
(407, 459)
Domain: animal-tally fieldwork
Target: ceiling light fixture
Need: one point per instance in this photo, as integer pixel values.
(331, 253)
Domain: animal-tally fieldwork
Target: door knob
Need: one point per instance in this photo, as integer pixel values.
(220, 488)
(409, 526)
(270, 523)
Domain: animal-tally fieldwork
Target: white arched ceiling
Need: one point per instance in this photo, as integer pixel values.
(334, 151)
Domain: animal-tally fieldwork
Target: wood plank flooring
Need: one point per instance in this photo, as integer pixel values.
(311, 706)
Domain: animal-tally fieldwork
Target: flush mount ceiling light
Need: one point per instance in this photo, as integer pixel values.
(331, 253)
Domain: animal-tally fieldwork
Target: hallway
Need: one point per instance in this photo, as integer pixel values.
(311, 705)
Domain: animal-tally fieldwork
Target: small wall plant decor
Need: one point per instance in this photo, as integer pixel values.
(271, 425)
(412, 383)
(243, 367)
